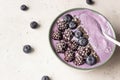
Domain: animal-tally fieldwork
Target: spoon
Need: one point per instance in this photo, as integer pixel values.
(111, 39)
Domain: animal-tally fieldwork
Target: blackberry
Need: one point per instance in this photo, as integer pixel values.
(69, 55)
(84, 51)
(68, 35)
(79, 60)
(61, 47)
(57, 35)
(73, 45)
(62, 26)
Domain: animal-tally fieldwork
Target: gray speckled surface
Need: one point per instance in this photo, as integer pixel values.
(15, 32)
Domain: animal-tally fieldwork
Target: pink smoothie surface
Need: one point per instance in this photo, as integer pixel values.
(92, 22)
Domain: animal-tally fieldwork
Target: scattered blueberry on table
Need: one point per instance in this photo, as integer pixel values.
(24, 7)
(27, 49)
(90, 2)
(34, 25)
(45, 78)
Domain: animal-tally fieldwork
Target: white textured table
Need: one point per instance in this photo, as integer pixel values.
(15, 32)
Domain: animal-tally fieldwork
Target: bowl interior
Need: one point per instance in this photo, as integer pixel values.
(77, 12)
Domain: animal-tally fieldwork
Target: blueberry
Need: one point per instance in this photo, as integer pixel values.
(67, 18)
(91, 60)
(24, 7)
(90, 2)
(34, 24)
(45, 78)
(72, 25)
(83, 41)
(27, 48)
(78, 34)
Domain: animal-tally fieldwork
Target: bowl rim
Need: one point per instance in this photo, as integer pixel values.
(69, 10)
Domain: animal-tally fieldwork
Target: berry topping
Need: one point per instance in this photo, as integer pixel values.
(78, 34)
(68, 35)
(67, 18)
(73, 25)
(71, 41)
(73, 45)
(62, 25)
(61, 46)
(84, 51)
(69, 55)
(57, 35)
(83, 41)
(79, 60)
(91, 60)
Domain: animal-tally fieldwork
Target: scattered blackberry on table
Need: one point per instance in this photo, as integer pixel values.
(91, 60)
(83, 41)
(62, 26)
(90, 2)
(61, 46)
(27, 49)
(57, 35)
(67, 18)
(45, 78)
(24, 7)
(69, 55)
(84, 51)
(73, 45)
(73, 25)
(68, 35)
(79, 60)
(34, 25)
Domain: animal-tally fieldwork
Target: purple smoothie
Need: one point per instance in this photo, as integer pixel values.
(91, 22)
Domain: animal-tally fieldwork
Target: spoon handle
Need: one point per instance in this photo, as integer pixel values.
(111, 39)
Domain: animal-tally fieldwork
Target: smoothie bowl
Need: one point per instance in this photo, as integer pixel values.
(77, 40)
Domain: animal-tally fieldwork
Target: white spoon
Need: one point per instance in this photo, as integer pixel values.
(111, 39)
